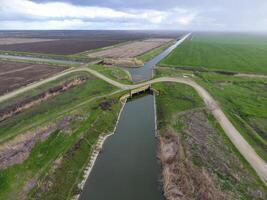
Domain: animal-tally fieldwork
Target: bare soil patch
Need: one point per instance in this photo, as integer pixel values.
(107, 104)
(60, 47)
(202, 142)
(181, 179)
(18, 149)
(198, 163)
(30, 73)
(132, 49)
(14, 109)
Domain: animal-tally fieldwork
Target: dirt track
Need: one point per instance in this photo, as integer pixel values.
(8, 41)
(240, 143)
(251, 75)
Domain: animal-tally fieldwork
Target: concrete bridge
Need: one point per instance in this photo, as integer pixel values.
(139, 90)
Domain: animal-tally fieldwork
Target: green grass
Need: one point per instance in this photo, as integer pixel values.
(115, 73)
(172, 111)
(75, 159)
(43, 88)
(28, 118)
(171, 72)
(89, 121)
(153, 53)
(244, 101)
(223, 52)
(40, 158)
(181, 101)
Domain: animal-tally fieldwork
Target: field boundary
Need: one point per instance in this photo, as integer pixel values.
(203, 69)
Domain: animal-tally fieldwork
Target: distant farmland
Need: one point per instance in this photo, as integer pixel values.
(225, 52)
(70, 42)
(60, 47)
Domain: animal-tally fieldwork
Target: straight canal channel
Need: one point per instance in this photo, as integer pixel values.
(128, 168)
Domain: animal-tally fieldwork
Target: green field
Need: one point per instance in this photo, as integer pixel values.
(72, 145)
(203, 149)
(244, 100)
(222, 52)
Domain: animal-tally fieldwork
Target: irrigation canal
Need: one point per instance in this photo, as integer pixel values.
(146, 72)
(127, 167)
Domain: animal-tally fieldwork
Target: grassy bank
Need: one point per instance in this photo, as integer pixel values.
(114, 73)
(227, 52)
(65, 151)
(244, 101)
(153, 53)
(205, 164)
(171, 72)
(92, 88)
(75, 158)
(43, 88)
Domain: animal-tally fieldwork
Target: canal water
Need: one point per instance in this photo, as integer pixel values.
(127, 168)
(146, 72)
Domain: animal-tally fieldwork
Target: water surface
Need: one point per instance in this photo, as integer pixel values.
(127, 168)
(146, 72)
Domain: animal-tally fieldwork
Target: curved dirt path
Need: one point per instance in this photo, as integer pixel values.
(31, 86)
(257, 163)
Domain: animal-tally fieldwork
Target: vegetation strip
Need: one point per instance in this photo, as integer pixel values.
(28, 103)
(241, 144)
(198, 160)
(31, 172)
(97, 149)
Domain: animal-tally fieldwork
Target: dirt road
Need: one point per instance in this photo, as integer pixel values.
(257, 163)
(37, 84)
(237, 139)
(250, 75)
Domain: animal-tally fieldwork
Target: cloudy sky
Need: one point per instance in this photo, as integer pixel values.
(232, 15)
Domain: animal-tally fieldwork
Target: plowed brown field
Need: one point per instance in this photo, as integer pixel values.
(132, 49)
(16, 74)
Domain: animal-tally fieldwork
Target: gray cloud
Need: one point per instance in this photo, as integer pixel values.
(138, 14)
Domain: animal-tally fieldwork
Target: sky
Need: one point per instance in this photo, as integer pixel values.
(205, 15)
